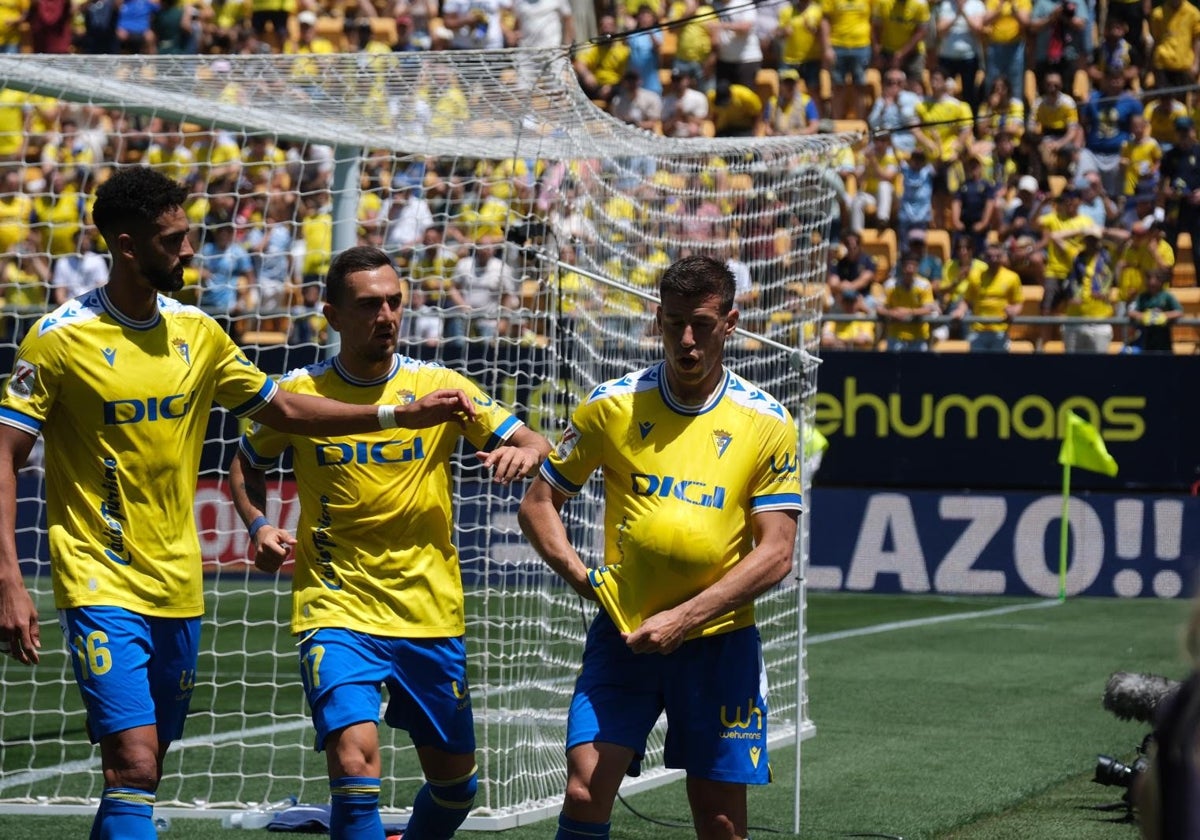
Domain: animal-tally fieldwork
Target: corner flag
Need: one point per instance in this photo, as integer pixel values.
(1083, 447)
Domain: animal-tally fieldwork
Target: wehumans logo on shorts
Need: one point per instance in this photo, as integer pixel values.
(752, 723)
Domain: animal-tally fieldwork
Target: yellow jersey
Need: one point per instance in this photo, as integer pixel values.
(374, 549)
(989, 295)
(124, 406)
(801, 43)
(681, 486)
(1006, 27)
(1060, 256)
(1141, 159)
(898, 20)
(899, 296)
(849, 22)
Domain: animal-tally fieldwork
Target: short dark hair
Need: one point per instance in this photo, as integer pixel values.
(350, 261)
(134, 197)
(699, 277)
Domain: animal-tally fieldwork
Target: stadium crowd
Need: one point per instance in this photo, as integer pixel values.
(1018, 155)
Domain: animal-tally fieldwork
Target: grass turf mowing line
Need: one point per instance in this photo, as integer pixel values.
(927, 732)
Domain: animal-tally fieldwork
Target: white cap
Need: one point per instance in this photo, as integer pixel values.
(1027, 183)
(307, 17)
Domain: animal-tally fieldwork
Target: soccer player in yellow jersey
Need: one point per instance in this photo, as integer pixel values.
(994, 292)
(120, 381)
(377, 596)
(701, 494)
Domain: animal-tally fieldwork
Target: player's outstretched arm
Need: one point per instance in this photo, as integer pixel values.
(302, 414)
(248, 485)
(766, 565)
(20, 634)
(516, 458)
(542, 525)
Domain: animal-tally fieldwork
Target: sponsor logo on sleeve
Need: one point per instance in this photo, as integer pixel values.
(23, 380)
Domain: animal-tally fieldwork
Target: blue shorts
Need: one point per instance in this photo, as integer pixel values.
(426, 681)
(714, 691)
(852, 62)
(132, 670)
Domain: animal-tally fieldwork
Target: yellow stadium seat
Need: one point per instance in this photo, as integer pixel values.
(952, 345)
(1054, 346)
(384, 29)
(766, 84)
(263, 337)
(937, 242)
(882, 246)
(1081, 89)
(1020, 346)
(1185, 348)
(1189, 299)
(666, 50)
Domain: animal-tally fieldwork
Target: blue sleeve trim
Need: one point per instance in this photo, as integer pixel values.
(20, 421)
(558, 481)
(776, 501)
(255, 459)
(265, 394)
(503, 433)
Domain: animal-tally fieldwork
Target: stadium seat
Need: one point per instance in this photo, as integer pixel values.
(664, 77)
(766, 84)
(1115, 347)
(1031, 304)
(937, 243)
(263, 337)
(875, 83)
(851, 126)
(952, 345)
(1082, 87)
(1185, 348)
(666, 50)
(1054, 346)
(1020, 346)
(384, 29)
(1031, 87)
(882, 246)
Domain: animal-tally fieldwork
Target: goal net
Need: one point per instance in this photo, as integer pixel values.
(532, 227)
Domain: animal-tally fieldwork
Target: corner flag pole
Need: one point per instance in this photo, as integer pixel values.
(1064, 531)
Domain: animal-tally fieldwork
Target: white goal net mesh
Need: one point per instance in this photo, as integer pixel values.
(531, 225)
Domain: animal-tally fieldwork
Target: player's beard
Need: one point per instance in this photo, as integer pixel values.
(165, 281)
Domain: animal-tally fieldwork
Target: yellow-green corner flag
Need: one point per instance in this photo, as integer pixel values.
(1082, 447)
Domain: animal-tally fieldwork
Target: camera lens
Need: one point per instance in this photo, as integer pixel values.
(1111, 772)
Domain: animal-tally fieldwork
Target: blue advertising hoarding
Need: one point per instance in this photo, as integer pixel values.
(923, 420)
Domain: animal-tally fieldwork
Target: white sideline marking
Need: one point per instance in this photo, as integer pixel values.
(923, 622)
(33, 776)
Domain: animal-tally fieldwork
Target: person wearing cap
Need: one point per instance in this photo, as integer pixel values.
(907, 302)
(792, 111)
(993, 292)
(804, 33)
(1018, 215)
(684, 108)
(308, 71)
(929, 265)
(1058, 233)
(1094, 290)
(1179, 186)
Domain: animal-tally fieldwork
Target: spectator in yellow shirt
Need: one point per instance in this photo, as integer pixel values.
(736, 110)
(804, 31)
(602, 65)
(908, 301)
(1175, 28)
(1060, 232)
(994, 292)
(856, 334)
(900, 30)
(850, 51)
(1093, 290)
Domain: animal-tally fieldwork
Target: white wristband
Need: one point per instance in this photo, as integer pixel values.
(387, 417)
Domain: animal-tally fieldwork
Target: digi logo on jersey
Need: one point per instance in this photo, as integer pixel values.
(172, 407)
(384, 452)
(696, 493)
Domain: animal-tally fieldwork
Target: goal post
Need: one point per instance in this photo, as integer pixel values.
(290, 159)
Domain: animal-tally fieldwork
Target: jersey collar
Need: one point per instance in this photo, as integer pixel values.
(125, 320)
(363, 383)
(682, 408)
